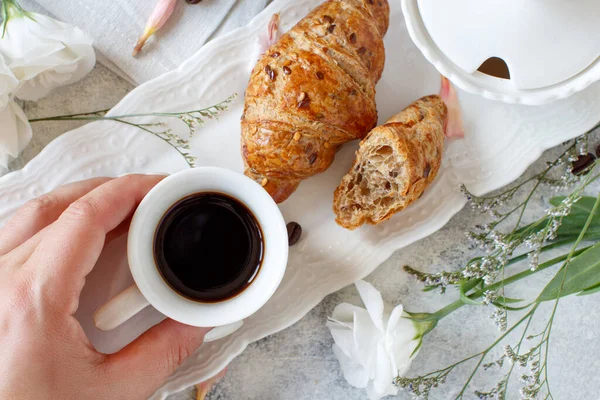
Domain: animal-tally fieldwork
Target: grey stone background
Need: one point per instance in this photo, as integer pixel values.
(298, 363)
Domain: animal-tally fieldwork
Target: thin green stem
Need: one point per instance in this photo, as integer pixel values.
(520, 343)
(185, 156)
(91, 115)
(486, 351)
(526, 202)
(4, 17)
(76, 118)
(537, 176)
(71, 116)
(451, 366)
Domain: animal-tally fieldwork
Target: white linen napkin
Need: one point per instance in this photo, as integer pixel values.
(116, 25)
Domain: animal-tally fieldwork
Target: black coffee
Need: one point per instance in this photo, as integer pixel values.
(208, 247)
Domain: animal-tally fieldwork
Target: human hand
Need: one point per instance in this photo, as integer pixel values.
(46, 251)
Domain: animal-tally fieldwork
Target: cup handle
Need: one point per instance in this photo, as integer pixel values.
(131, 301)
(120, 308)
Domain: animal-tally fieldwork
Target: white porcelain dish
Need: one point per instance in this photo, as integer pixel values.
(551, 48)
(502, 140)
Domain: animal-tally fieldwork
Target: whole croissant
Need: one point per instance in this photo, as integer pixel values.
(312, 91)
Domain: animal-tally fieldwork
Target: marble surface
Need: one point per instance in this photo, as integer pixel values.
(298, 363)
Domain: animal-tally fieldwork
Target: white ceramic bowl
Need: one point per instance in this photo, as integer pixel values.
(551, 48)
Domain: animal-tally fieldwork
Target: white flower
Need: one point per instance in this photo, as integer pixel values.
(14, 135)
(44, 53)
(373, 345)
(8, 83)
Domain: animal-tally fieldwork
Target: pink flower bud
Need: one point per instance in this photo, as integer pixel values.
(160, 15)
(453, 126)
(203, 388)
(268, 38)
(273, 29)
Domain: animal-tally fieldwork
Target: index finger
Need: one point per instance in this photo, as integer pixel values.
(42, 211)
(69, 250)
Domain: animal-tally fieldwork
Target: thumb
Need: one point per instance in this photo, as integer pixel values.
(142, 366)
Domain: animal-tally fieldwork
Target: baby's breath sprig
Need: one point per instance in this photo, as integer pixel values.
(569, 219)
(192, 119)
(501, 246)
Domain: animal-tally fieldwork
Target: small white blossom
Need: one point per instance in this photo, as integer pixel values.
(44, 53)
(373, 345)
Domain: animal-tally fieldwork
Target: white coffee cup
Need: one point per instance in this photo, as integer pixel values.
(151, 289)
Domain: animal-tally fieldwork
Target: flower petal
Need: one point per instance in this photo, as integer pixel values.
(15, 133)
(343, 338)
(45, 53)
(401, 343)
(384, 374)
(8, 82)
(366, 337)
(353, 372)
(373, 302)
(344, 314)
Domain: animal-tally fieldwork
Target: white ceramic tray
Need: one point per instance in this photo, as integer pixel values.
(502, 140)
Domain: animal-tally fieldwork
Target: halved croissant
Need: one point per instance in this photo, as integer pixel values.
(312, 91)
(394, 165)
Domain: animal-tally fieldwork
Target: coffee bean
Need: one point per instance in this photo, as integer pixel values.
(598, 151)
(582, 164)
(193, 1)
(294, 231)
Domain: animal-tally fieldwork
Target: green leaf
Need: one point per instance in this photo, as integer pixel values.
(582, 273)
(470, 284)
(583, 205)
(507, 300)
(463, 296)
(573, 223)
(503, 301)
(590, 290)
